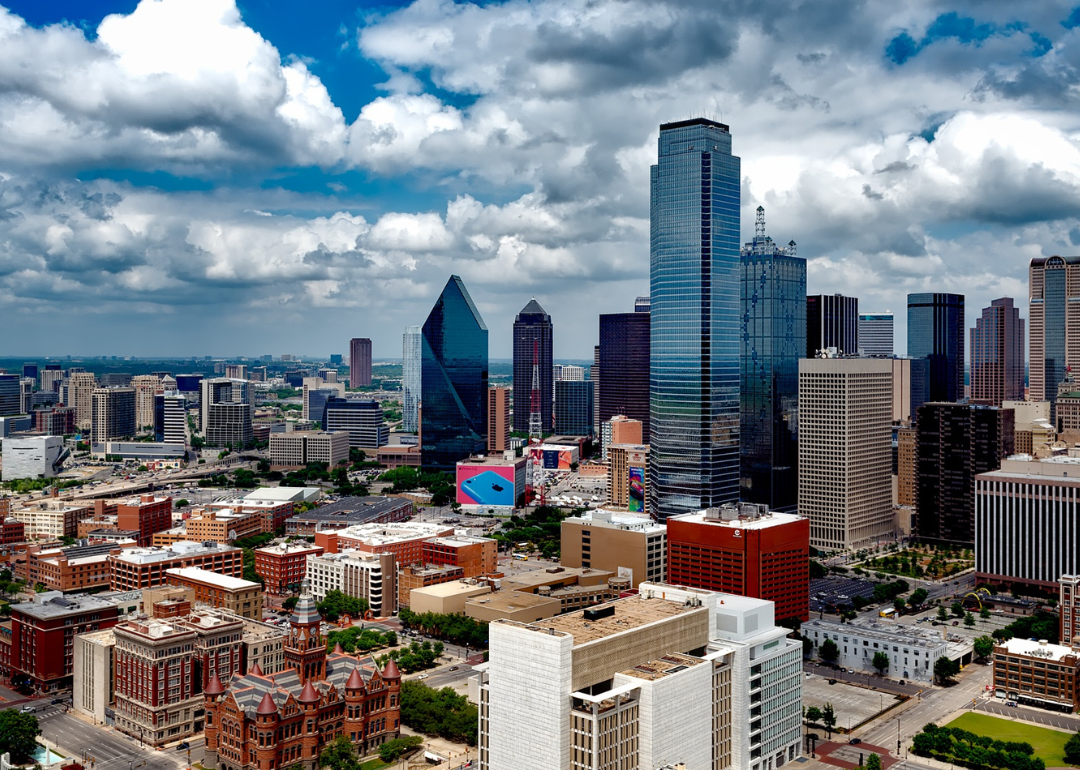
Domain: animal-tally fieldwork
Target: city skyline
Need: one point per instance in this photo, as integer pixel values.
(363, 163)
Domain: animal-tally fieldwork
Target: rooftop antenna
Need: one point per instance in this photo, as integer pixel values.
(759, 226)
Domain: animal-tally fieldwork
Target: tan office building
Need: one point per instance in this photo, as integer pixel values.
(146, 387)
(845, 448)
(81, 387)
(301, 447)
(446, 598)
(628, 476)
(625, 544)
(498, 419)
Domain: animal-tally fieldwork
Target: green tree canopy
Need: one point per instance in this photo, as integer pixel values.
(813, 714)
(340, 755)
(336, 604)
(1072, 750)
(438, 712)
(828, 717)
(881, 662)
(942, 614)
(18, 732)
(829, 651)
(945, 670)
(873, 762)
(984, 647)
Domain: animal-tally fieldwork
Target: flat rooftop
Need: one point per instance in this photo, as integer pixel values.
(452, 588)
(177, 550)
(213, 578)
(630, 613)
(715, 518)
(387, 534)
(893, 633)
(1038, 649)
(542, 577)
(53, 604)
(672, 663)
(353, 511)
(510, 601)
(492, 460)
(612, 519)
(280, 549)
(457, 540)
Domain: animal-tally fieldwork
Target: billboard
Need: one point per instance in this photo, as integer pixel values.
(636, 489)
(486, 485)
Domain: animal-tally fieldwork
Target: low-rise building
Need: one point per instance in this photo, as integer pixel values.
(475, 555)
(398, 456)
(349, 512)
(1037, 673)
(264, 646)
(415, 576)
(137, 568)
(404, 539)
(93, 690)
(219, 648)
(283, 566)
(74, 568)
(222, 525)
(50, 519)
(354, 573)
(912, 651)
(12, 530)
(239, 596)
(299, 448)
(146, 513)
(512, 605)
(628, 544)
(447, 598)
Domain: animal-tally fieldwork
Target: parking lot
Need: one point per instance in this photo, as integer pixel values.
(853, 704)
(830, 592)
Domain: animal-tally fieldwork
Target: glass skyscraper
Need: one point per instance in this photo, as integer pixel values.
(532, 348)
(411, 353)
(1053, 325)
(454, 380)
(694, 320)
(624, 361)
(832, 321)
(935, 331)
(773, 334)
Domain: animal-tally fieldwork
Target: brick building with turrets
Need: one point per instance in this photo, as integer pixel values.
(260, 722)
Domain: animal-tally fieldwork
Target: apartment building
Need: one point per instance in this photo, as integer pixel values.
(137, 568)
(627, 544)
(628, 476)
(283, 566)
(404, 539)
(145, 514)
(75, 568)
(80, 390)
(93, 689)
(239, 596)
(146, 386)
(671, 675)
(475, 555)
(221, 525)
(415, 576)
(356, 573)
(113, 415)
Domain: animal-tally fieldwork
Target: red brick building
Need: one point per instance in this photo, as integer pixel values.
(283, 567)
(261, 722)
(475, 555)
(137, 568)
(746, 550)
(43, 633)
(12, 532)
(146, 515)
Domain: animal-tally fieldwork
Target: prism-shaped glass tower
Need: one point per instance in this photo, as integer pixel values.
(454, 380)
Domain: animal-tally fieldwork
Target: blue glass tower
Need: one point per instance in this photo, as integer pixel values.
(454, 380)
(773, 340)
(694, 325)
(936, 332)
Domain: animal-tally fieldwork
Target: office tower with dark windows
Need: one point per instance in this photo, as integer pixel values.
(532, 361)
(411, 348)
(225, 408)
(1053, 325)
(954, 443)
(694, 330)
(875, 334)
(10, 394)
(30, 370)
(997, 354)
(359, 362)
(362, 419)
(574, 407)
(935, 331)
(832, 321)
(113, 414)
(624, 366)
(454, 380)
(170, 418)
(773, 328)
(642, 304)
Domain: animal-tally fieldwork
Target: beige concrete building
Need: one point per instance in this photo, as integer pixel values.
(626, 544)
(113, 415)
(264, 645)
(512, 605)
(446, 598)
(845, 448)
(146, 387)
(297, 448)
(94, 676)
(241, 597)
(50, 519)
(498, 419)
(624, 461)
(81, 387)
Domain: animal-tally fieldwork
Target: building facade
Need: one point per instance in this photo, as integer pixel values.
(354, 573)
(1037, 673)
(773, 297)
(1053, 324)
(912, 650)
(412, 343)
(32, 457)
(845, 450)
(624, 357)
(875, 334)
(935, 331)
(282, 567)
(226, 409)
(146, 386)
(454, 372)
(238, 596)
(574, 409)
(997, 354)
(498, 419)
(1069, 607)
(362, 418)
(743, 549)
(359, 362)
(533, 345)
(137, 568)
(832, 321)
(626, 544)
(113, 414)
(300, 447)
(628, 477)
(170, 418)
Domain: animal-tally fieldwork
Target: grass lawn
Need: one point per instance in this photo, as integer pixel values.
(1049, 744)
(374, 764)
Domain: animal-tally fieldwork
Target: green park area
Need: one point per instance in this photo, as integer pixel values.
(1049, 745)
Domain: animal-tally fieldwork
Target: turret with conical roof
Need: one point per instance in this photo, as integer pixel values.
(305, 649)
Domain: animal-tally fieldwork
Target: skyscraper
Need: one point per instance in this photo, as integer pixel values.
(624, 364)
(498, 420)
(955, 442)
(832, 321)
(113, 415)
(454, 379)
(773, 296)
(876, 334)
(10, 394)
(1053, 324)
(845, 450)
(997, 354)
(935, 331)
(694, 280)
(532, 352)
(359, 362)
(574, 407)
(411, 352)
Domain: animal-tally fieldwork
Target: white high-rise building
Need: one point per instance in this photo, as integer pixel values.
(173, 427)
(356, 573)
(845, 450)
(80, 389)
(412, 351)
(671, 676)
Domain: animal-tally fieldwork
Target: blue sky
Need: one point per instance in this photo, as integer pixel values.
(182, 177)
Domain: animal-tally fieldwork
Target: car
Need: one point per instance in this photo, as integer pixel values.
(454, 668)
(903, 681)
(832, 681)
(855, 741)
(183, 745)
(807, 674)
(956, 622)
(29, 709)
(55, 701)
(423, 676)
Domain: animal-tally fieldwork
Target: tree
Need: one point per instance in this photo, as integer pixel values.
(969, 619)
(984, 613)
(829, 651)
(984, 647)
(918, 596)
(1072, 750)
(438, 712)
(392, 750)
(942, 614)
(957, 609)
(290, 603)
(17, 734)
(881, 662)
(945, 670)
(336, 604)
(813, 714)
(828, 718)
(873, 762)
(816, 570)
(899, 604)
(340, 755)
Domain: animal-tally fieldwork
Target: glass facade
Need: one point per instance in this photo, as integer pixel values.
(574, 407)
(832, 321)
(532, 347)
(694, 337)
(454, 380)
(997, 354)
(875, 334)
(624, 360)
(773, 330)
(936, 332)
(411, 353)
